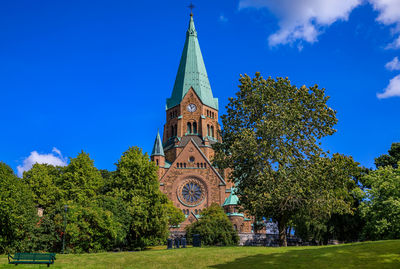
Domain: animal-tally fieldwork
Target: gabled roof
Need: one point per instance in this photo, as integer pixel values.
(222, 181)
(209, 163)
(192, 73)
(158, 147)
(232, 199)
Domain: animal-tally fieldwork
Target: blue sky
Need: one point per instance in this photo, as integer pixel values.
(94, 75)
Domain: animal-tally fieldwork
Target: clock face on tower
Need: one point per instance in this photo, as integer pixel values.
(191, 108)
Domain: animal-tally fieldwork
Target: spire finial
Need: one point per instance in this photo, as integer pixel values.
(191, 6)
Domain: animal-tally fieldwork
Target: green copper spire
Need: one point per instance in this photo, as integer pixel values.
(232, 199)
(158, 147)
(192, 73)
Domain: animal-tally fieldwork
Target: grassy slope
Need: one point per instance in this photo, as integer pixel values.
(380, 254)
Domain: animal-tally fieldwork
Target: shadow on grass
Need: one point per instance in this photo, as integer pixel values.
(363, 255)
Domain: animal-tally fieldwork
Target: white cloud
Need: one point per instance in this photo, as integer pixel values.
(393, 64)
(395, 44)
(389, 11)
(302, 19)
(222, 18)
(55, 158)
(393, 89)
(389, 14)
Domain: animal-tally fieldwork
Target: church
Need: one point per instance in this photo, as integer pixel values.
(184, 152)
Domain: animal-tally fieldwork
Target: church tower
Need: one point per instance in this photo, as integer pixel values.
(191, 111)
(183, 156)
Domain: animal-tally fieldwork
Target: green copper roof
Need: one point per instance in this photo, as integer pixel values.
(158, 147)
(232, 199)
(192, 73)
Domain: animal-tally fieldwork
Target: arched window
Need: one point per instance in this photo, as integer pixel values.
(198, 165)
(212, 131)
(208, 130)
(194, 127)
(177, 165)
(176, 130)
(157, 162)
(195, 211)
(235, 227)
(189, 128)
(184, 165)
(204, 165)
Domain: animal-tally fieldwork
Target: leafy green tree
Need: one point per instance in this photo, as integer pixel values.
(174, 215)
(95, 222)
(17, 211)
(271, 142)
(390, 159)
(44, 181)
(45, 235)
(214, 228)
(381, 208)
(136, 183)
(91, 228)
(80, 180)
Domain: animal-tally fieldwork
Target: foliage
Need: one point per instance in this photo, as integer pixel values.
(381, 208)
(271, 142)
(136, 183)
(17, 211)
(80, 180)
(92, 226)
(175, 216)
(91, 229)
(340, 225)
(214, 228)
(390, 159)
(44, 181)
(123, 209)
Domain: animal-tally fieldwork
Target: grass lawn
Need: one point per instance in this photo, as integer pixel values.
(379, 254)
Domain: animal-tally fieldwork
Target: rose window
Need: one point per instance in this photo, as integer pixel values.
(191, 192)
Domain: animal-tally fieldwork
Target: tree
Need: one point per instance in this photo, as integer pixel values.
(271, 143)
(136, 183)
(174, 215)
(44, 181)
(95, 222)
(381, 208)
(214, 227)
(80, 180)
(17, 211)
(390, 159)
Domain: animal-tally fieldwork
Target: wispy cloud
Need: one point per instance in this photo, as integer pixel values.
(393, 64)
(304, 20)
(392, 90)
(389, 14)
(55, 158)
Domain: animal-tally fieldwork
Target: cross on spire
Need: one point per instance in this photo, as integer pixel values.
(191, 6)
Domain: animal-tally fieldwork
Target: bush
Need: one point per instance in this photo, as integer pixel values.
(214, 228)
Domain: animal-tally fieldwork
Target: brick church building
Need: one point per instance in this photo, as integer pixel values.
(183, 154)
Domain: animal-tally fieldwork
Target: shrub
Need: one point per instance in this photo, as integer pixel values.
(214, 228)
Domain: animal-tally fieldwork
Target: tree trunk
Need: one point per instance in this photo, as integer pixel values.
(282, 232)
